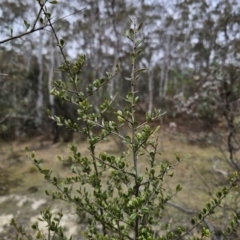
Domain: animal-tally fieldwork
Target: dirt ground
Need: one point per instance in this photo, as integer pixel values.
(22, 187)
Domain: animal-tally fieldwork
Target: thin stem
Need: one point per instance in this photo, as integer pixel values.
(23, 34)
(38, 16)
(135, 149)
(94, 158)
(57, 39)
(204, 217)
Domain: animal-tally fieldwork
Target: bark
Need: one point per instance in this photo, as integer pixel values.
(39, 104)
(162, 79)
(50, 76)
(150, 91)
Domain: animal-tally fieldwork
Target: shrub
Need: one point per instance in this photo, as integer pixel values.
(119, 198)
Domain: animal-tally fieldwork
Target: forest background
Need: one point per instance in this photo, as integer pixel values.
(188, 47)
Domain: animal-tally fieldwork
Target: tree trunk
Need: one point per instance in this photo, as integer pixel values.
(50, 76)
(150, 91)
(39, 104)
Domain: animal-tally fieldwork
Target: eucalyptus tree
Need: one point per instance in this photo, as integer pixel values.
(98, 32)
(13, 22)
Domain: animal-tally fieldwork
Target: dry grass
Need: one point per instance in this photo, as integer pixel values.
(197, 164)
(195, 173)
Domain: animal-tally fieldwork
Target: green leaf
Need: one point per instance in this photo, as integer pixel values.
(140, 26)
(61, 42)
(140, 70)
(39, 235)
(136, 101)
(204, 210)
(140, 178)
(133, 171)
(178, 188)
(41, 20)
(11, 31)
(27, 25)
(138, 42)
(132, 56)
(178, 158)
(129, 96)
(193, 221)
(48, 15)
(118, 68)
(133, 216)
(219, 195)
(131, 33)
(119, 112)
(206, 232)
(34, 226)
(120, 119)
(54, 2)
(156, 129)
(145, 210)
(138, 51)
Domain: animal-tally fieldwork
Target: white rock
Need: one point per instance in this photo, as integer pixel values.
(5, 220)
(172, 125)
(37, 203)
(68, 223)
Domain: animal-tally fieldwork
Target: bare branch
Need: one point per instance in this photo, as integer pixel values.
(38, 16)
(58, 41)
(68, 15)
(183, 209)
(33, 29)
(190, 211)
(4, 118)
(218, 170)
(23, 34)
